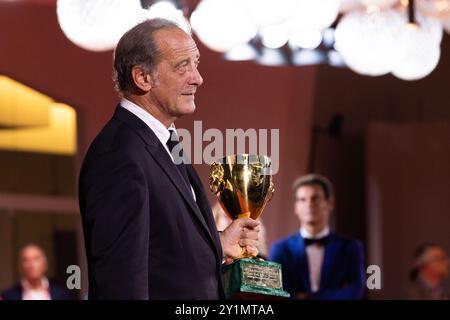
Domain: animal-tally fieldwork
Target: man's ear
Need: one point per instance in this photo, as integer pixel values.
(331, 203)
(142, 79)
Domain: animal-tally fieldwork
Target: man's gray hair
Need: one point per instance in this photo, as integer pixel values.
(137, 47)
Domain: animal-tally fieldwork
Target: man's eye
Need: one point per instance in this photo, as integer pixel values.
(181, 68)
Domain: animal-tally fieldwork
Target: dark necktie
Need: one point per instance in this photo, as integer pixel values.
(171, 144)
(321, 241)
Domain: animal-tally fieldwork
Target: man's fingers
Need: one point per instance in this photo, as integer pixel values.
(250, 234)
(253, 251)
(248, 242)
(248, 223)
(255, 229)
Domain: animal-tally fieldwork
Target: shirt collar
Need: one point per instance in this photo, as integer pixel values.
(26, 285)
(160, 130)
(305, 234)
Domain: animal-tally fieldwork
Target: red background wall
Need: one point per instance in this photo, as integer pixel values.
(408, 183)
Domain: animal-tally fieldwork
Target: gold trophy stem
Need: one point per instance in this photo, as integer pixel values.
(244, 215)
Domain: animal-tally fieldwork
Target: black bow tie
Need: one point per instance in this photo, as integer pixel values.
(321, 241)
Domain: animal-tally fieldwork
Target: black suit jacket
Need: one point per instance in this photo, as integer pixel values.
(145, 235)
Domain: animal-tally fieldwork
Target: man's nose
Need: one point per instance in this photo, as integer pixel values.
(196, 77)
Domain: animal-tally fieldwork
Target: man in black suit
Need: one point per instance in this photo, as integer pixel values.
(148, 227)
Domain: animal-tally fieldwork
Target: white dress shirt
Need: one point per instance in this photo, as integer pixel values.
(160, 130)
(30, 293)
(315, 253)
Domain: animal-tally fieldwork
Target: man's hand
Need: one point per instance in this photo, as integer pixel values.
(239, 235)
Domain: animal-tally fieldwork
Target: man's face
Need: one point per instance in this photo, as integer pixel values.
(437, 262)
(176, 77)
(311, 206)
(33, 264)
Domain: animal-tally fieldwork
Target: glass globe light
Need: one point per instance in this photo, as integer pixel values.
(418, 54)
(430, 25)
(222, 25)
(379, 3)
(439, 9)
(167, 10)
(350, 5)
(97, 25)
(366, 41)
(306, 39)
(274, 36)
(314, 14)
(268, 12)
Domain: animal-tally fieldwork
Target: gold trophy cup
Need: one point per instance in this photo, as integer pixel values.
(243, 184)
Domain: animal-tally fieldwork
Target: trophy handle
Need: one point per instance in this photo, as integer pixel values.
(271, 190)
(216, 181)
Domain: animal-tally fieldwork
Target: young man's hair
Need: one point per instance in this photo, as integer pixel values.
(315, 179)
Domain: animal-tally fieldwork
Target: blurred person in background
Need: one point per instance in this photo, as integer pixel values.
(34, 284)
(429, 273)
(318, 263)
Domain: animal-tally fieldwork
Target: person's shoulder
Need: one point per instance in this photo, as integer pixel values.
(284, 248)
(60, 293)
(287, 241)
(13, 293)
(115, 136)
(415, 291)
(347, 240)
(116, 142)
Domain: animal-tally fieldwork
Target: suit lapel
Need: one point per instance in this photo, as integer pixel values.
(203, 204)
(302, 261)
(331, 251)
(159, 154)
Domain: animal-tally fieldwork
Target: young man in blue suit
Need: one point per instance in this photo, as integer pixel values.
(318, 263)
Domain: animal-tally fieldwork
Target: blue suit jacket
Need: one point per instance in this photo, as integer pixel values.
(342, 275)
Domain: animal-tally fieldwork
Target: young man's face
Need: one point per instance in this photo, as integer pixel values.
(176, 77)
(311, 206)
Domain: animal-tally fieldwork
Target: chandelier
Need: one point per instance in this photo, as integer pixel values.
(371, 37)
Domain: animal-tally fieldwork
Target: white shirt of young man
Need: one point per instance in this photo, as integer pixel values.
(315, 253)
(161, 132)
